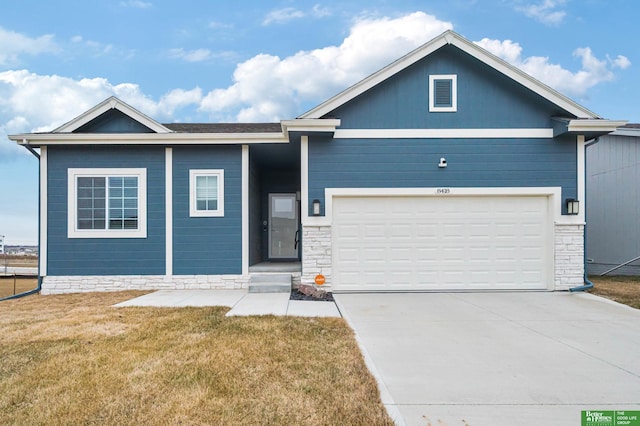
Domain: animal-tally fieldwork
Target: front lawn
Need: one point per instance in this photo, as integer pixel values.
(74, 359)
(622, 289)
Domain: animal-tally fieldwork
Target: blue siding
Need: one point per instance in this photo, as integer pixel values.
(207, 245)
(413, 163)
(486, 99)
(105, 256)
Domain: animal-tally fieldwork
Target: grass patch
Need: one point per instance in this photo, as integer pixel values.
(74, 359)
(621, 288)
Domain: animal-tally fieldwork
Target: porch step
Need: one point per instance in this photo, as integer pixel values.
(270, 283)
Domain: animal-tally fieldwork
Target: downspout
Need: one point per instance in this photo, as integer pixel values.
(588, 285)
(25, 143)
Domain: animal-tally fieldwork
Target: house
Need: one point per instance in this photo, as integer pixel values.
(613, 202)
(449, 169)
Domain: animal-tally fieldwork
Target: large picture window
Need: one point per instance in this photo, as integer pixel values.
(107, 203)
(206, 194)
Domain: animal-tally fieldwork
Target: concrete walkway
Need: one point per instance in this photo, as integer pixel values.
(498, 359)
(241, 302)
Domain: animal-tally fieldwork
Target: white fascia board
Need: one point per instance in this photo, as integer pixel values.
(106, 105)
(39, 139)
(599, 125)
(310, 125)
(450, 37)
(442, 133)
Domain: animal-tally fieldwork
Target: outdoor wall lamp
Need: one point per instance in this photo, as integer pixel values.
(573, 206)
(316, 207)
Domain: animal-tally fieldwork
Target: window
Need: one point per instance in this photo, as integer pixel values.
(107, 203)
(443, 93)
(206, 194)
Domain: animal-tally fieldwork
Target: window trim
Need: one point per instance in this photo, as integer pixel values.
(72, 195)
(193, 211)
(454, 92)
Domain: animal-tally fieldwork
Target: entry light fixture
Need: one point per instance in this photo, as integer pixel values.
(316, 207)
(573, 206)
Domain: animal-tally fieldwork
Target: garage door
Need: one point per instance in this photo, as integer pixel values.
(441, 243)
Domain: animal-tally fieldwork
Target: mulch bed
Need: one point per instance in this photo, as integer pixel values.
(296, 295)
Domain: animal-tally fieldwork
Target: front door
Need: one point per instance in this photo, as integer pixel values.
(283, 226)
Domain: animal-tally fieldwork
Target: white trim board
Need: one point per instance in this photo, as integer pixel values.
(304, 177)
(443, 133)
(245, 209)
(43, 249)
(168, 166)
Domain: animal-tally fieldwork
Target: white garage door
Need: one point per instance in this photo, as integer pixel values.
(441, 243)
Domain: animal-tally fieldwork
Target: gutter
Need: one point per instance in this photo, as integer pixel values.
(588, 285)
(25, 143)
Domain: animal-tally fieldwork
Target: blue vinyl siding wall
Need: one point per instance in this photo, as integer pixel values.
(486, 99)
(413, 163)
(207, 245)
(105, 256)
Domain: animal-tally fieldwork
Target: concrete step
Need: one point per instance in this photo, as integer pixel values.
(270, 283)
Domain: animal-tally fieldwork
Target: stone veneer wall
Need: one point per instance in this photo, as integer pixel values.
(316, 254)
(78, 284)
(569, 256)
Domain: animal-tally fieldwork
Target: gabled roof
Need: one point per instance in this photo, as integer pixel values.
(106, 105)
(452, 38)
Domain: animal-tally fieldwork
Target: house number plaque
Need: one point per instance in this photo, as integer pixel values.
(443, 191)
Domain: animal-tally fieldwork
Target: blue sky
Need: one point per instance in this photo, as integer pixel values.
(250, 60)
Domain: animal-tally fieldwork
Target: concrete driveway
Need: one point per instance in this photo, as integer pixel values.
(498, 358)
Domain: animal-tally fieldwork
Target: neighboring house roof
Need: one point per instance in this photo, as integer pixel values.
(631, 129)
(450, 37)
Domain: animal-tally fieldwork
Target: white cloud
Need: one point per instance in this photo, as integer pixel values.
(197, 55)
(320, 12)
(34, 103)
(13, 45)
(281, 16)
(267, 87)
(620, 61)
(548, 11)
(593, 71)
(138, 4)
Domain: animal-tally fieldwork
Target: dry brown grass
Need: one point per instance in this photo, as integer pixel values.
(74, 359)
(622, 289)
(10, 285)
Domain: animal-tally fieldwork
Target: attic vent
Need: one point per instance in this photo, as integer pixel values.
(442, 93)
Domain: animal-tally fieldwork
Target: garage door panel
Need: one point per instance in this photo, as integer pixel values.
(431, 243)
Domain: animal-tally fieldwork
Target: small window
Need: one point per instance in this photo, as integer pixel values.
(206, 195)
(107, 203)
(443, 93)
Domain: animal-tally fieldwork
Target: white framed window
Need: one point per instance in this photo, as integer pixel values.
(443, 93)
(107, 203)
(206, 193)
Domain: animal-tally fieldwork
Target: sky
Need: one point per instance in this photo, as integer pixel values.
(256, 61)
